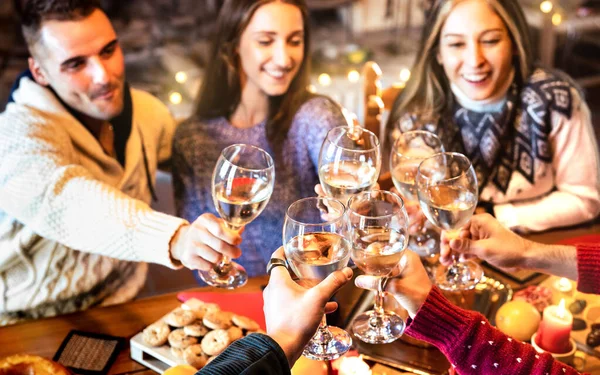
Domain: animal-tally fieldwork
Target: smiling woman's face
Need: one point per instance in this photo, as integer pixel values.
(271, 48)
(476, 50)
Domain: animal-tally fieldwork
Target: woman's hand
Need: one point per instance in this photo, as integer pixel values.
(416, 217)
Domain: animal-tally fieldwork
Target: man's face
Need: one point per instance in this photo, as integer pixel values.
(83, 62)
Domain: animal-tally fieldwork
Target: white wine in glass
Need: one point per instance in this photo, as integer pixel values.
(242, 184)
(409, 150)
(315, 245)
(349, 162)
(448, 193)
(379, 231)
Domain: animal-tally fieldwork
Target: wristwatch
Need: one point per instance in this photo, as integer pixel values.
(274, 262)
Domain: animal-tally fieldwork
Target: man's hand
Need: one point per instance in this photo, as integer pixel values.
(408, 283)
(487, 239)
(292, 312)
(202, 244)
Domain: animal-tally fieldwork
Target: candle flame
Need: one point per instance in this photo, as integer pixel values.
(562, 311)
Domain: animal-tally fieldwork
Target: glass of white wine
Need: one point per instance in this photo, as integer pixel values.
(349, 161)
(242, 184)
(379, 235)
(448, 193)
(315, 245)
(409, 150)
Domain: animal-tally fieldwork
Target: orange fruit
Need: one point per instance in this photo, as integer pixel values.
(181, 370)
(518, 319)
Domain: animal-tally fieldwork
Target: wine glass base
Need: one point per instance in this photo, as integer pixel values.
(459, 276)
(339, 344)
(389, 329)
(236, 277)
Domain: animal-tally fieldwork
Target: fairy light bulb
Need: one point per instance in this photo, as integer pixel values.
(546, 6)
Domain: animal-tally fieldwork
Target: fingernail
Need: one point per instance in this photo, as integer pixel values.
(348, 272)
(456, 244)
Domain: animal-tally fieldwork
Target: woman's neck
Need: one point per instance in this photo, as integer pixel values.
(492, 104)
(253, 108)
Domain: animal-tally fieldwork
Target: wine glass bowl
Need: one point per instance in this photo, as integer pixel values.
(378, 228)
(315, 245)
(242, 184)
(409, 150)
(448, 193)
(349, 161)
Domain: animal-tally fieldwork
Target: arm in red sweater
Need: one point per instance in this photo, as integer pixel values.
(588, 268)
(473, 346)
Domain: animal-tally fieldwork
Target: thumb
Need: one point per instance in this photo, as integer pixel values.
(463, 246)
(367, 282)
(327, 288)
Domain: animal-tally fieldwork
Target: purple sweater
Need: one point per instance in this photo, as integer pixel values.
(198, 144)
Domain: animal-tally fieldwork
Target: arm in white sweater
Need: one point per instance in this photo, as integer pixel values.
(576, 168)
(43, 186)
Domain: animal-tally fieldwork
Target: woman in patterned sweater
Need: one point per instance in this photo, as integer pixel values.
(526, 130)
(254, 92)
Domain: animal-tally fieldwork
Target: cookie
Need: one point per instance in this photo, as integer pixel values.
(235, 333)
(245, 323)
(217, 319)
(156, 334)
(215, 342)
(177, 353)
(196, 329)
(178, 339)
(194, 356)
(180, 317)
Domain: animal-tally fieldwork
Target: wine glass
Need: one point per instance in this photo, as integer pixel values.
(242, 184)
(315, 245)
(409, 150)
(447, 191)
(349, 161)
(379, 235)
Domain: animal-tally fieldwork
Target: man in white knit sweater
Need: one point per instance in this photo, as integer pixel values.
(78, 155)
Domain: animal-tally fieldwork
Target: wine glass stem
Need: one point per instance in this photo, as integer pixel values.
(225, 263)
(323, 335)
(378, 305)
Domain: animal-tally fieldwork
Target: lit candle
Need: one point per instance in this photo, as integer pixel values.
(563, 285)
(555, 330)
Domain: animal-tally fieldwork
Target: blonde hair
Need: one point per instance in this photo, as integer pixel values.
(427, 93)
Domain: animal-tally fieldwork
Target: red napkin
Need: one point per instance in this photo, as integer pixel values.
(246, 304)
(588, 238)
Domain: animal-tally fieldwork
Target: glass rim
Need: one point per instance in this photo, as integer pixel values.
(302, 200)
(378, 144)
(256, 148)
(420, 132)
(453, 154)
(385, 192)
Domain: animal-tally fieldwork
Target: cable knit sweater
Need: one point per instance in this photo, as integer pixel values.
(74, 223)
(473, 346)
(198, 144)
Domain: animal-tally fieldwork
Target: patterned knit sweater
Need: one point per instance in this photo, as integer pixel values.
(473, 346)
(198, 144)
(74, 223)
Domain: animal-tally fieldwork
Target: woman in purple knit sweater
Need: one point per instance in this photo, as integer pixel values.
(255, 92)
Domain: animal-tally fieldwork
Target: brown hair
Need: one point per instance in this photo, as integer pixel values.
(427, 93)
(34, 12)
(220, 93)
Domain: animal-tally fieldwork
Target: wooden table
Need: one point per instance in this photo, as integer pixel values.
(43, 337)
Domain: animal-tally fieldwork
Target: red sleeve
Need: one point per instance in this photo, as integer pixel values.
(588, 268)
(473, 346)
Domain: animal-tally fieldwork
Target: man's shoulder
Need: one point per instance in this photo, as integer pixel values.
(147, 101)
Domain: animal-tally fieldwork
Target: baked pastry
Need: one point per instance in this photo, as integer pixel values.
(26, 364)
